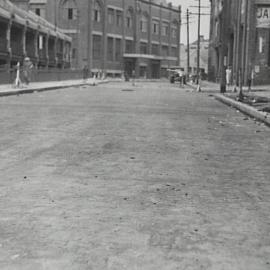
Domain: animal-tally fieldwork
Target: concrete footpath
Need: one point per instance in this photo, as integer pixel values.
(8, 89)
(229, 98)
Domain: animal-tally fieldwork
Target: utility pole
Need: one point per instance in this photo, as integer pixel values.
(55, 15)
(179, 35)
(78, 38)
(188, 55)
(199, 42)
(223, 40)
(89, 48)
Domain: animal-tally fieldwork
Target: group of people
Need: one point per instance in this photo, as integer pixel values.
(98, 75)
(23, 75)
(230, 80)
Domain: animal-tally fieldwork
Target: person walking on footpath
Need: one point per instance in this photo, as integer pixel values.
(133, 77)
(85, 73)
(228, 76)
(251, 79)
(27, 69)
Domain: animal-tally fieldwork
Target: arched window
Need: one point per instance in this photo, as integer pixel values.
(69, 10)
(144, 23)
(96, 16)
(174, 28)
(165, 29)
(129, 18)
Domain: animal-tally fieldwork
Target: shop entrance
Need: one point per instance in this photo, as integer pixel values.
(155, 69)
(129, 66)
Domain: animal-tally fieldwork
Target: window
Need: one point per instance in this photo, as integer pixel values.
(143, 48)
(96, 47)
(119, 15)
(118, 47)
(155, 27)
(174, 30)
(165, 50)
(165, 29)
(110, 49)
(37, 11)
(128, 46)
(143, 24)
(128, 24)
(174, 51)
(129, 19)
(96, 12)
(69, 10)
(70, 14)
(74, 53)
(155, 49)
(110, 16)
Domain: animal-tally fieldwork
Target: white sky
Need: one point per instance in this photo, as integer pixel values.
(194, 19)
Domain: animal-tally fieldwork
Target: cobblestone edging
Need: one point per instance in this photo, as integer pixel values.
(261, 116)
(29, 90)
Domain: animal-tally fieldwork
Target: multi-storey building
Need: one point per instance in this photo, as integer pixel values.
(239, 39)
(23, 33)
(117, 35)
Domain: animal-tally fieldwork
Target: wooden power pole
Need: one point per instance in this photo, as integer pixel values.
(188, 52)
(199, 42)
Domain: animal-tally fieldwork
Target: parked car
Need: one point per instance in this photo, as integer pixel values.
(177, 75)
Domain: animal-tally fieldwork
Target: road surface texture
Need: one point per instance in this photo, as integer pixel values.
(132, 178)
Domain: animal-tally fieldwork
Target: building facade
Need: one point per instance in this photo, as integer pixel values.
(22, 33)
(193, 48)
(240, 39)
(117, 36)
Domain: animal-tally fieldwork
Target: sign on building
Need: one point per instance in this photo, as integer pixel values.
(263, 17)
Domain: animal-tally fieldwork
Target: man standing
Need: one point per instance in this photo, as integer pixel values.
(228, 76)
(27, 69)
(85, 73)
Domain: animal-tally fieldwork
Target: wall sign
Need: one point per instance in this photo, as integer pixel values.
(263, 17)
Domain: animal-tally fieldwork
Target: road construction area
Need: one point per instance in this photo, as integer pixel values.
(123, 177)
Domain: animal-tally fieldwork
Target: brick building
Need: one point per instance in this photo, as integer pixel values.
(117, 35)
(240, 38)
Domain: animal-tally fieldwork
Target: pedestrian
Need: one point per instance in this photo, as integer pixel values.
(126, 76)
(181, 75)
(27, 70)
(85, 73)
(249, 83)
(228, 76)
(251, 79)
(133, 77)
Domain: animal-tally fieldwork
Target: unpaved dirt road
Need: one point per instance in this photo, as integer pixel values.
(154, 178)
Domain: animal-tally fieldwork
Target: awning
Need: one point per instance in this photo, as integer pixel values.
(143, 56)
